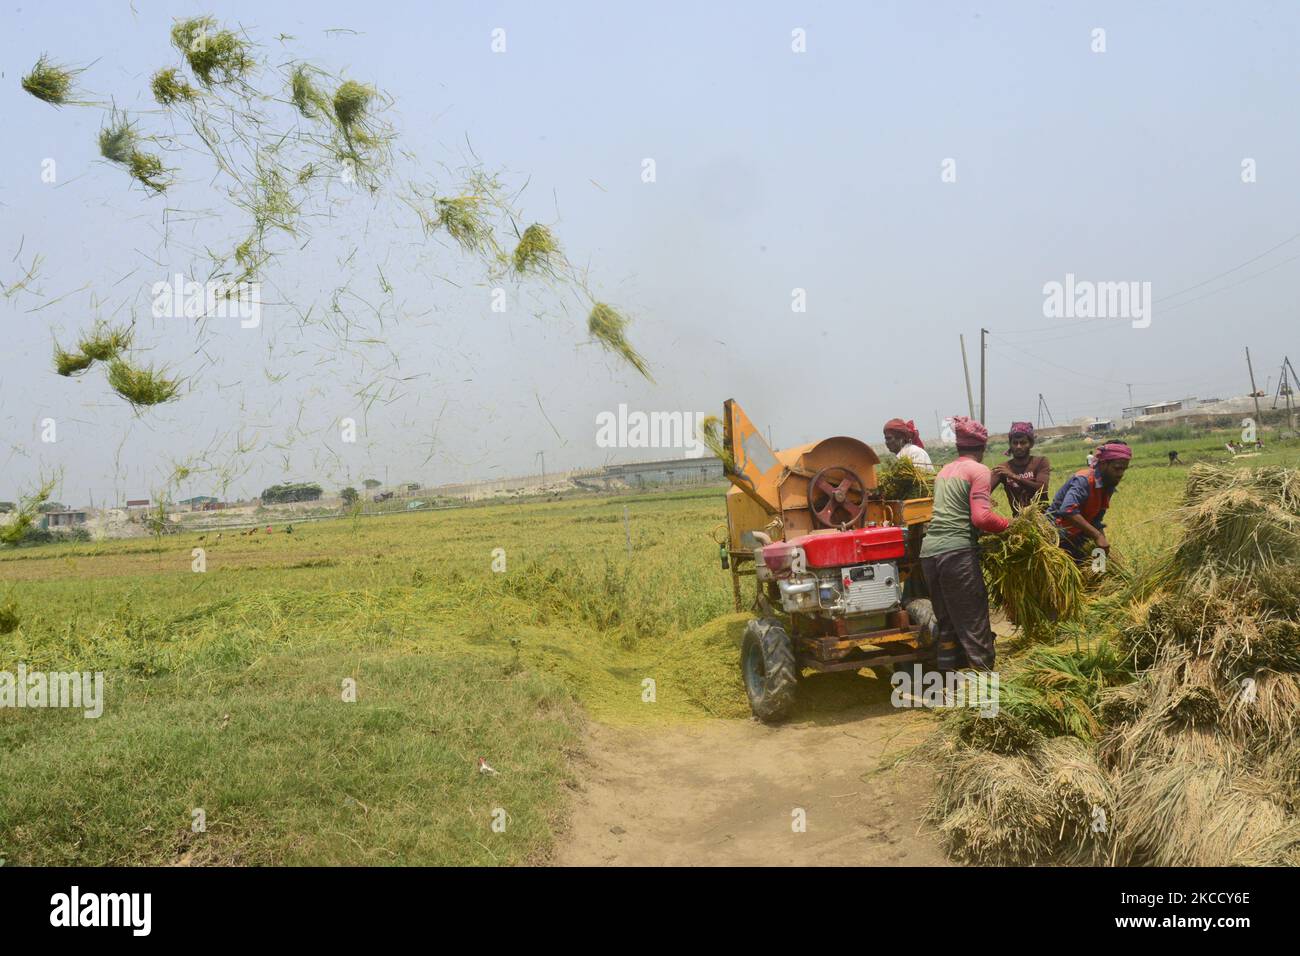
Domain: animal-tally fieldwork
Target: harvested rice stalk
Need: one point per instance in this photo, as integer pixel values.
(1083, 796)
(142, 387)
(902, 479)
(70, 363)
(993, 809)
(1243, 622)
(104, 343)
(1030, 576)
(711, 433)
(1046, 693)
(49, 82)
(216, 57)
(310, 100)
(537, 250)
(1188, 813)
(608, 328)
(169, 88)
(464, 221)
(1239, 518)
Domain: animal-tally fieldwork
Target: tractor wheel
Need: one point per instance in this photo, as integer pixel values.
(767, 662)
(921, 612)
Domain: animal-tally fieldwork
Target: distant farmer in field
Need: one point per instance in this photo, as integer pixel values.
(950, 555)
(1080, 505)
(902, 439)
(1025, 477)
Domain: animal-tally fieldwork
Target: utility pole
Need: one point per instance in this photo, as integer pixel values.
(1251, 369)
(1130, 399)
(984, 348)
(1286, 390)
(1042, 407)
(970, 399)
(542, 456)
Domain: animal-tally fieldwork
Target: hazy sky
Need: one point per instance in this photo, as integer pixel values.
(775, 170)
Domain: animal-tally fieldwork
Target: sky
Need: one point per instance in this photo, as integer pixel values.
(909, 173)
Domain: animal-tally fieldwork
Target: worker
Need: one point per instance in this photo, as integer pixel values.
(1079, 508)
(1024, 477)
(950, 555)
(903, 440)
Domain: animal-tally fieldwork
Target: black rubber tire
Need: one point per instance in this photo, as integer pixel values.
(921, 612)
(768, 667)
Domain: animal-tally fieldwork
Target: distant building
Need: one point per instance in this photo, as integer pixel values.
(672, 471)
(63, 519)
(137, 502)
(203, 503)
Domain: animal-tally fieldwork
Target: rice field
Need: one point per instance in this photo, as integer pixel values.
(490, 632)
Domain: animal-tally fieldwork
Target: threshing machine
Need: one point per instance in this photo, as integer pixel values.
(837, 573)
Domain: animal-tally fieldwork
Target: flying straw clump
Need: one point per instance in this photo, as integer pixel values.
(68, 363)
(169, 87)
(711, 434)
(216, 57)
(309, 99)
(142, 387)
(351, 105)
(462, 217)
(49, 82)
(118, 143)
(117, 140)
(609, 328)
(537, 250)
(1030, 576)
(104, 343)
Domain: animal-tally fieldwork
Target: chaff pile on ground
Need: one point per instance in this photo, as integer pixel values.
(1171, 739)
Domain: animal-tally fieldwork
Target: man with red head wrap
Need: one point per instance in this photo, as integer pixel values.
(1024, 476)
(903, 440)
(1080, 505)
(950, 554)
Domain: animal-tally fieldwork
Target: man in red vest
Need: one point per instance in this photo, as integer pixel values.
(1080, 505)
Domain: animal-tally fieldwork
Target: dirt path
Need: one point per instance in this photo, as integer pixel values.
(724, 792)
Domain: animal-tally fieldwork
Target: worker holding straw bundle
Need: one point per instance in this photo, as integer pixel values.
(950, 556)
(1024, 477)
(1079, 508)
(902, 439)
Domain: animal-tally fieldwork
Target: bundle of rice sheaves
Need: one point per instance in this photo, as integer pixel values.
(1197, 760)
(902, 479)
(1030, 576)
(1053, 803)
(1239, 518)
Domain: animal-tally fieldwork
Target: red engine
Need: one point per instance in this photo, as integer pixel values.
(838, 572)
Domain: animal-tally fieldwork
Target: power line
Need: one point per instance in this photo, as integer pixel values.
(1174, 295)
